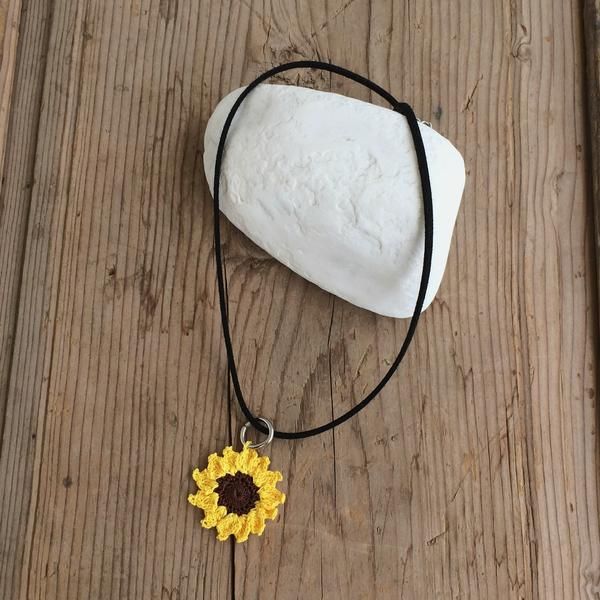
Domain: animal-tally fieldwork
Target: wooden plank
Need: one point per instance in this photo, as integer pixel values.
(26, 386)
(19, 128)
(10, 16)
(116, 388)
(557, 299)
(474, 475)
(12, 230)
(591, 21)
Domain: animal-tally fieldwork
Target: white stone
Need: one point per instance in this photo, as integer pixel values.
(329, 186)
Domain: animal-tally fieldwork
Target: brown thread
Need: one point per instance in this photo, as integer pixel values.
(237, 493)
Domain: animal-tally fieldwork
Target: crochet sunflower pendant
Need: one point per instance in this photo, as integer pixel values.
(237, 492)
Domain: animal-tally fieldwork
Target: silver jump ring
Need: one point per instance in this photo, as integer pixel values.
(266, 441)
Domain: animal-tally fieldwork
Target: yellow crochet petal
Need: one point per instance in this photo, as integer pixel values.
(267, 478)
(256, 521)
(227, 526)
(204, 500)
(230, 457)
(204, 481)
(193, 499)
(270, 497)
(213, 516)
(244, 530)
(262, 464)
(246, 460)
(267, 513)
(215, 468)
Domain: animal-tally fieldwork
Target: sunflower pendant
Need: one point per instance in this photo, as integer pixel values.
(237, 492)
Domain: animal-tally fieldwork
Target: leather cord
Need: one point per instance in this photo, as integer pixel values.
(404, 109)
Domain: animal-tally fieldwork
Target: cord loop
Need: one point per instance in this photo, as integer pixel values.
(400, 107)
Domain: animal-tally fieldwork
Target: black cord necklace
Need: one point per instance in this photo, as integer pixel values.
(400, 107)
(241, 486)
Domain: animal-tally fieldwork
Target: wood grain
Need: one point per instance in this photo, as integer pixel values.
(12, 227)
(10, 14)
(117, 345)
(591, 11)
(473, 475)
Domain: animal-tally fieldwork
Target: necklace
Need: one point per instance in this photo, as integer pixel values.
(237, 490)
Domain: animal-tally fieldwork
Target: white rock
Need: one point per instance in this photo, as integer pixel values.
(329, 186)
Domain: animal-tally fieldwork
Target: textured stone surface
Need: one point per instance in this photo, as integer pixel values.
(329, 186)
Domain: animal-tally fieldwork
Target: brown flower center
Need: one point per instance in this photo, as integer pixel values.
(237, 493)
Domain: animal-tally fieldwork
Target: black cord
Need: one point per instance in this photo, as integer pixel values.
(404, 109)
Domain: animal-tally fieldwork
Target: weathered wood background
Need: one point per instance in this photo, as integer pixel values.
(474, 475)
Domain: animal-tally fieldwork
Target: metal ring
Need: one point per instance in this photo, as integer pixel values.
(266, 441)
